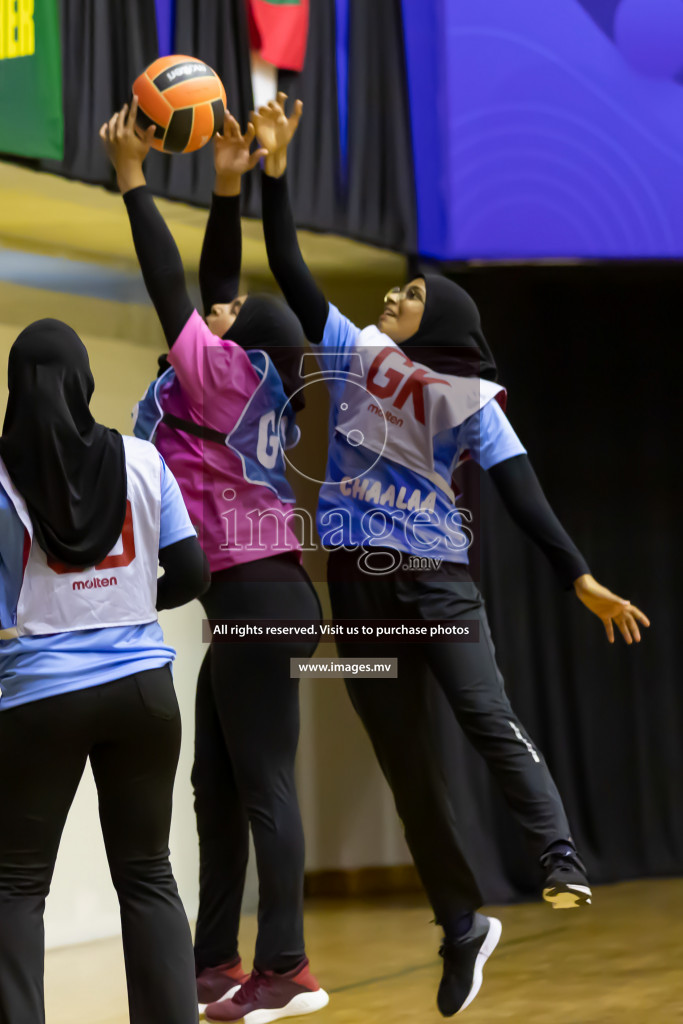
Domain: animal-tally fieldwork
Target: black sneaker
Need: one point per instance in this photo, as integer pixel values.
(566, 885)
(463, 964)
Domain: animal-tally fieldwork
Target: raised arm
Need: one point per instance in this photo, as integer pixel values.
(219, 266)
(157, 253)
(275, 131)
(528, 506)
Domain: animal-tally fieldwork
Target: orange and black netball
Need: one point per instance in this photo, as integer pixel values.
(185, 101)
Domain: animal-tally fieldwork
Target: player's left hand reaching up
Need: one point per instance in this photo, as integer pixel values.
(610, 609)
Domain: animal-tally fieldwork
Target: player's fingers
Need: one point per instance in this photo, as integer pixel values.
(640, 616)
(622, 626)
(632, 627)
(133, 112)
(112, 125)
(229, 124)
(609, 629)
(295, 116)
(249, 134)
(121, 121)
(281, 99)
(255, 157)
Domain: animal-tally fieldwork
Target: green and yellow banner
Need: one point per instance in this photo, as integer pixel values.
(31, 118)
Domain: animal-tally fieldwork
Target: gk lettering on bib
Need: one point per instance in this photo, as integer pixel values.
(399, 407)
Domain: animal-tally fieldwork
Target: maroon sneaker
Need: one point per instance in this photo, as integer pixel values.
(214, 983)
(268, 996)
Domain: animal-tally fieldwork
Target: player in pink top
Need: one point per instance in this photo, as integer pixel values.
(220, 414)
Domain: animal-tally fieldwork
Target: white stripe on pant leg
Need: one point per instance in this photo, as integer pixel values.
(525, 741)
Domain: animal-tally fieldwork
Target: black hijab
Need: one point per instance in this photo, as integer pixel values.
(450, 339)
(70, 470)
(266, 322)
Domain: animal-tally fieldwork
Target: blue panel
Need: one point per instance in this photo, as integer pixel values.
(342, 14)
(74, 277)
(563, 134)
(165, 12)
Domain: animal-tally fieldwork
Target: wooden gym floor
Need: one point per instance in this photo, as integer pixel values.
(619, 962)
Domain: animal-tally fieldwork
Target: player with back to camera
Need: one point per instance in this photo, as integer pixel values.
(428, 355)
(230, 376)
(85, 517)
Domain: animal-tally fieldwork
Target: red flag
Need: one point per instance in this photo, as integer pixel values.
(279, 31)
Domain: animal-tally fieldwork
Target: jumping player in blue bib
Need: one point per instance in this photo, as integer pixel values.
(411, 398)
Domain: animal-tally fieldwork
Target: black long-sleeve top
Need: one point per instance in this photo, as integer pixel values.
(514, 478)
(186, 573)
(162, 267)
(160, 262)
(221, 259)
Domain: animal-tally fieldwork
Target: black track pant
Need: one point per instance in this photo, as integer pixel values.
(395, 715)
(130, 730)
(247, 731)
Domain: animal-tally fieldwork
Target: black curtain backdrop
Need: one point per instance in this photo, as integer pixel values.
(314, 174)
(381, 203)
(592, 360)
(216, 31)
(106, 45)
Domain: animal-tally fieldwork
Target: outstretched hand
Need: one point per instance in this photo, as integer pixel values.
(126, 145)
(610, 609)
(275, 131)
(231, 154)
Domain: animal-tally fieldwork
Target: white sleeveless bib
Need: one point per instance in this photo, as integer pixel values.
(397, 407)
(121, 590)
